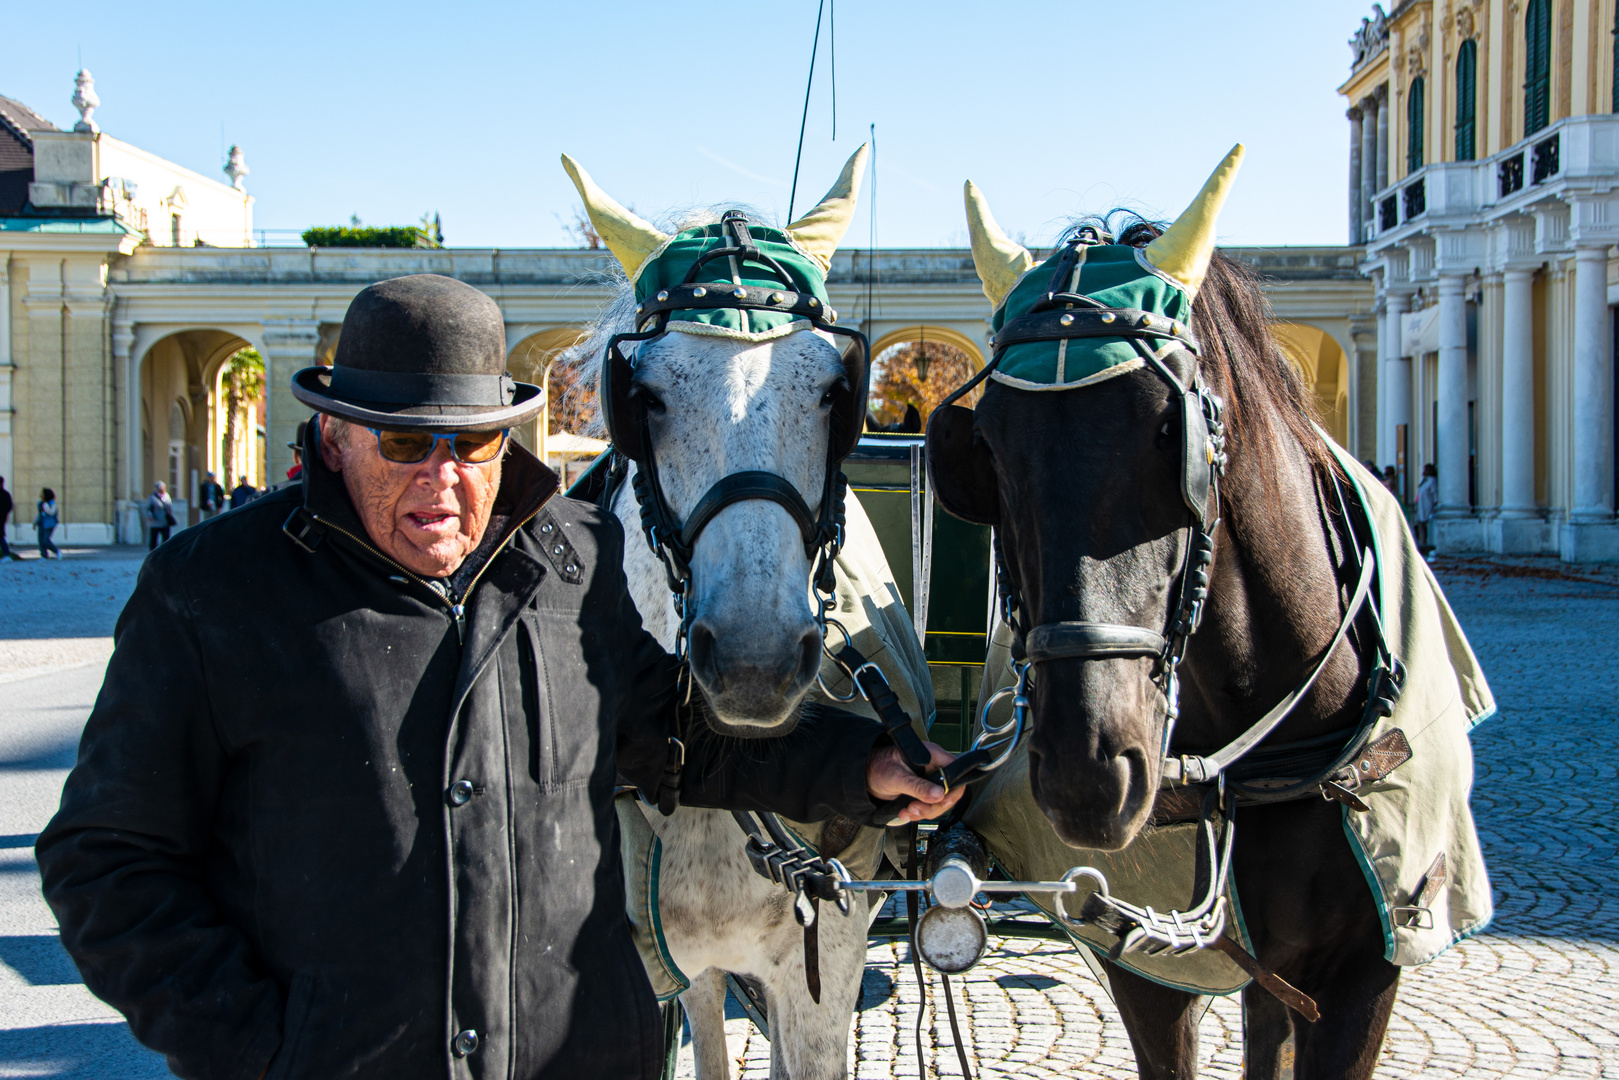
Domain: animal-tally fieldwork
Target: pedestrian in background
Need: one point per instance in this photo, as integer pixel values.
(1391, 480)
(243, 493)
(159, 515)
(1427, 503)
(6, 506)
(210, 497)
(45, 523)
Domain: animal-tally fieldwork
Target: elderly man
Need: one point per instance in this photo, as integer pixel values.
(344, 804)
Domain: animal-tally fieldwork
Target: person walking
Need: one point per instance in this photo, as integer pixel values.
(159, 515)
(1391, 480)
(243, 493)
(6, 506)
(45, 521)
(1427, 503)
(210, 497)
(344, 804)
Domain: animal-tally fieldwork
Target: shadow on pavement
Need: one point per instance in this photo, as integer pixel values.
(105, 1051)
(40, 959)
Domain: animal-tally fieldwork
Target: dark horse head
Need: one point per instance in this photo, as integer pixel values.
(1086, 455)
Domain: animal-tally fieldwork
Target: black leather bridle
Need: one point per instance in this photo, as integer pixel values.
(1060, 315)
(625, 412)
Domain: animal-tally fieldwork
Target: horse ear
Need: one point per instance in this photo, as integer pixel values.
(1184, 251)
(629, 238)
(820, 231)
(999, 259)
(960, 471)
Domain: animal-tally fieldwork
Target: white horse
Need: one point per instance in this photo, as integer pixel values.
(726, 404)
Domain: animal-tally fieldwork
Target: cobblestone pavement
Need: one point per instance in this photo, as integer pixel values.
(1536, 996)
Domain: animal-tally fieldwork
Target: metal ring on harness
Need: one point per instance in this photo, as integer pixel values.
(854, 690)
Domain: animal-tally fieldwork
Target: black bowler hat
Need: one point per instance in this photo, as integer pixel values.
(423, 351)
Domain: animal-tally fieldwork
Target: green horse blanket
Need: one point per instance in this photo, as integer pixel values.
(1416, 845)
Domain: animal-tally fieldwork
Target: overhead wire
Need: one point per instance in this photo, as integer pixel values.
(803, 121)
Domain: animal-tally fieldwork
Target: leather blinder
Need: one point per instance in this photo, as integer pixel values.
(624, 415)
(959, 475)
(1197, 470)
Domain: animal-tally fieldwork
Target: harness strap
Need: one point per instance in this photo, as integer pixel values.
(1082, 322)
(1091, 641)
(743, 486)
(874, 688)
(1191, 769)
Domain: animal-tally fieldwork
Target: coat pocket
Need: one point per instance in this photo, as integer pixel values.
(288, 1060)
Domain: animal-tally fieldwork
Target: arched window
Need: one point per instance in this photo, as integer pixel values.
(1415, 110)
(1466, 100)
(1537, 66)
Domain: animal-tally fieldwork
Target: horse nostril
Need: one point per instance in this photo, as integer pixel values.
(809, 655)
(701, 650)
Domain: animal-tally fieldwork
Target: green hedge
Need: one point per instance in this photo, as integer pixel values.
(395, 236)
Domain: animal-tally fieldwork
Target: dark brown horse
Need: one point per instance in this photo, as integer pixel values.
(1084, 487)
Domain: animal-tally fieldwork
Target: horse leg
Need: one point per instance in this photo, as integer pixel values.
(810, 1041)
(705, 1011)
(1162, 1024)
(1266, 1024)
(1356, 1001)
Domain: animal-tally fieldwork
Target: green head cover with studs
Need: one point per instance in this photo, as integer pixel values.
(1113, 275)
(669, 265)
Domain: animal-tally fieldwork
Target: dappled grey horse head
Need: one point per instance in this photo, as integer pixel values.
(736, 396)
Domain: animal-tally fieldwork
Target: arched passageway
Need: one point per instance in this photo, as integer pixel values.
(915, 368)
(183, 417)
(1321, 360)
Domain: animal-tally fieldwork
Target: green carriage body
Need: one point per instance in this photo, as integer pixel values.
(888, 475)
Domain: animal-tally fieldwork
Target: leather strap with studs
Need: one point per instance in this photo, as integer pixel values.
(1053, 325)
(710, 296)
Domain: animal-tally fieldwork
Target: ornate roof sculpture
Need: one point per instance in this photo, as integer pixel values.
(1372, 37)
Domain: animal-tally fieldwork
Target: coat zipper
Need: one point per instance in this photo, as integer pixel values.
(457, 606)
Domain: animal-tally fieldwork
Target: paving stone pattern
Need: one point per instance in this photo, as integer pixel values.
(1536, 996)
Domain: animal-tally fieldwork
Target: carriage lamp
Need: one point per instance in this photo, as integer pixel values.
(922, 362)
(952, 935)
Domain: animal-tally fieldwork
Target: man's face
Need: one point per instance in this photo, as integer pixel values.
(427, 517)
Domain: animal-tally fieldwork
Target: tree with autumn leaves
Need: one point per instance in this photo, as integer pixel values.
(900, 377)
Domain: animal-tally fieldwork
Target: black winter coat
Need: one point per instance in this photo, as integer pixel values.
(317, 826)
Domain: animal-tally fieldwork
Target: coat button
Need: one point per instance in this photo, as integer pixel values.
(465, 1042)
(460, 795)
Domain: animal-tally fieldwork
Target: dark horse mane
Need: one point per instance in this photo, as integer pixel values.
(1232, 319)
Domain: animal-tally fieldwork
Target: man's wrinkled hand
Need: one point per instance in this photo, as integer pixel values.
(889, 777)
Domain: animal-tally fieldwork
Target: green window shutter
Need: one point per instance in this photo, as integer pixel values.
(1466, 100)
(1537, 66)
(1415, 111)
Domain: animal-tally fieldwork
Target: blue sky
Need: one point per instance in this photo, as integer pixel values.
(1053, 108)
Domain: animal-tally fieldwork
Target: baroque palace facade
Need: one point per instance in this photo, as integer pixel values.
(1484, 185)
(127, 282)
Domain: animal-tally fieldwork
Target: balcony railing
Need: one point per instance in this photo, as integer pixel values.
(1576, 148)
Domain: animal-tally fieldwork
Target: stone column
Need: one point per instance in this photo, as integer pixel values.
(1382, 95)
(1394, 374)
(1593, 391)
(1450, 438)
(1368, 162)
(289, 346)
(1517, 394)
(1357, 213)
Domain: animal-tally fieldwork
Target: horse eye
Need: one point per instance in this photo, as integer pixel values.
(828, 398)
(650, 401)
